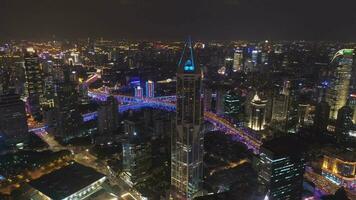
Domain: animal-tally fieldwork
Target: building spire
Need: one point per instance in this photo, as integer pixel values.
(186, 62)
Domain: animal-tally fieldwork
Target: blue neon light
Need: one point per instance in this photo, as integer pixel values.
(188, 66)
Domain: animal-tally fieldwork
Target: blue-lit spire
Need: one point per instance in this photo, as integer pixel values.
(187, 61)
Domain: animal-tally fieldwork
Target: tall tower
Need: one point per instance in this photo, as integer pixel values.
(34, 81)
(187, 140)
(258, 113)
(339, 90)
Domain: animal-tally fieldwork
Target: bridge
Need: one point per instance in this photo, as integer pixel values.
(249, 138)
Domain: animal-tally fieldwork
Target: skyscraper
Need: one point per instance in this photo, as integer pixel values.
(281, 168)
(258, 113)
(339, 90)
(108, 116)
(67, 116)
(150, 89)
(138, 92)
(187, 140)
(344, 122)
(13, 121)
(34, 82)
(321, 118)
(233, 105)
(237, 60)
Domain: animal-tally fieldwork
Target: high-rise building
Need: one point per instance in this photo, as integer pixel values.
(233, 105)
(187, 140)
(339, 89)
(108, 116)
(13, 121)
(344, 124)
(237, 60)
(137, 153)
(138, 92)
(257, 114)
(66, 114)
(219, 103)
(281, 168)
(352, 103)
(150, 89)
(207, 99)
(321, 117)
(34, 82)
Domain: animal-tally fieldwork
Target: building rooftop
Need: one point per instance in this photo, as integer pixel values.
(285, 146)
(66, 181)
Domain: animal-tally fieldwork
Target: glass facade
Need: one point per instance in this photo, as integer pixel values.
(187, 140)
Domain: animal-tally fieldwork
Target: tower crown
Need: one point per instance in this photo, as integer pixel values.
(187, 60)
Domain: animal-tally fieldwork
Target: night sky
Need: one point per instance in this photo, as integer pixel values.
(175, 19)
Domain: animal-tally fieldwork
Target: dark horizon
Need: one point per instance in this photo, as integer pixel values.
(173, 20)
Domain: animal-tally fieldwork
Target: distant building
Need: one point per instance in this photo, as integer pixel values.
(321, 117)
(13, 120)
(257, 114)
(138, 92)
(207, 98)
(219, 107)
(108, 116)
(281, 168)
(34, 82)
(344, 124)
(150, 89)
(233, 105)
(238, 60)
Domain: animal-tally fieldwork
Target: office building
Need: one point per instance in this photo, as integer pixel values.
(219, 103)
(66, 114)
(257, 118)
(238, 56)
(281, 168)
(339, 90)
(34, 82)
(187, 140)
(108, 116)
(233, 105)
(138, 92)
(321, 117)
(150, 89)
(137, 153)
(13, 120)
(344, 124)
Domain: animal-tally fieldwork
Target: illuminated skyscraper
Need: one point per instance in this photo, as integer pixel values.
(281, 168)
(108, 116)
(258, 113)
(138, 92)
(237, 60)
(187, 140)
(34, 82)
(150, 89)
(67, 116)
(339, 90)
